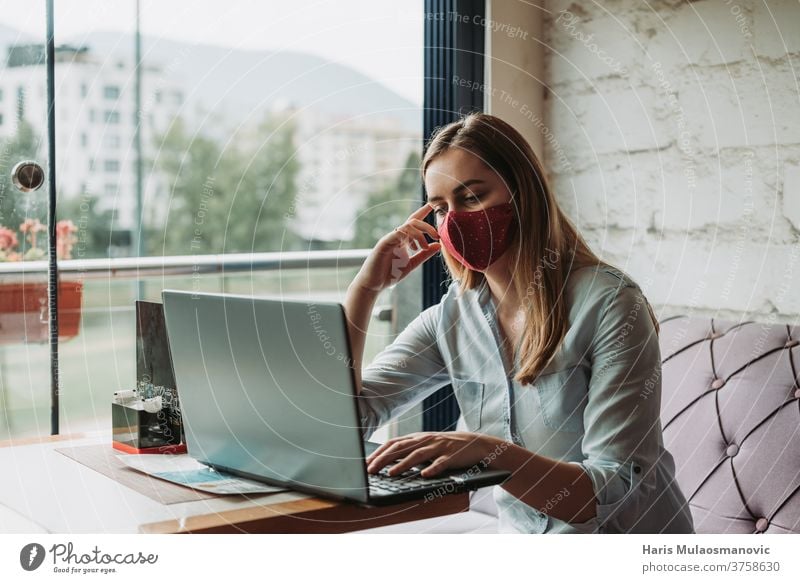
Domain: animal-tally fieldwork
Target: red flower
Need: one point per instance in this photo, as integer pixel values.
(65, 239)
(31, 227)
(8, 239)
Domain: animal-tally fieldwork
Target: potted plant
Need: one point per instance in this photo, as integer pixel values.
(23, 304)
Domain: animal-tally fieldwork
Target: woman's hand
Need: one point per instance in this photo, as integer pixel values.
(391, 259)
(447, 449)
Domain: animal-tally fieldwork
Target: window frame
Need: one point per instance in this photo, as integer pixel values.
(453, 47)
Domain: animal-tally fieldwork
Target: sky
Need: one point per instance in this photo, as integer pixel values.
(380, 38)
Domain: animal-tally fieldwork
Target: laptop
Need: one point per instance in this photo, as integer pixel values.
(267, 392)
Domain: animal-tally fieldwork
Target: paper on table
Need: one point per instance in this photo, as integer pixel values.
(185, 470)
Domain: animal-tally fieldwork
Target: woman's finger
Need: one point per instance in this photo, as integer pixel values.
(423, 256)
(414, 234)
(391, 453)
(425, 227)
(439, 464)
(394, 452)
(384, 446)
(420, 454)
(390, 442)
(421, 212)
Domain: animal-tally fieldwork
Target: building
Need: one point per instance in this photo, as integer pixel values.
(342, 158)
(95, 120)
(342, 161)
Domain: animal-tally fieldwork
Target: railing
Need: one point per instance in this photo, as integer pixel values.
(137, 267)
(101, 358)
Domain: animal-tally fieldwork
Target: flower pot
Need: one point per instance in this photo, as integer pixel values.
(23, 311)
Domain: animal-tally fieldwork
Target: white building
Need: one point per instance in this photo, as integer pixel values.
(342, 161)
(95, 121)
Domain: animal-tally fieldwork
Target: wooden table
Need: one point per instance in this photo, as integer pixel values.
(42, 490)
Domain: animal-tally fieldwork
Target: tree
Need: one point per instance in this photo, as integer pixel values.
(225, 201)
(94, 227)
(390, 206)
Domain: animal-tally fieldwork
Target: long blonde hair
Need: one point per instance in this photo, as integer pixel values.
(546, 245)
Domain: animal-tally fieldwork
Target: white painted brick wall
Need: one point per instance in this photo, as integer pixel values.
(791, 194)
(681, 124)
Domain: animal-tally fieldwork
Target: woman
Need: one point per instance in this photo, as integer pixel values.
(553, 355)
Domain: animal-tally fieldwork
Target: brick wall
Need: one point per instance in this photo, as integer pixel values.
(673, 138)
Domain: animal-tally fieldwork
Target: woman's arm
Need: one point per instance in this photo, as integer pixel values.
(538, 480)
(389, 262)
(358, 305)
(621, 422)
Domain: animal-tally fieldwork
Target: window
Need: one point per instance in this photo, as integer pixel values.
(221, 146)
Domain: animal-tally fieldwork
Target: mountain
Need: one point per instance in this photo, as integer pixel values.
(245, 79)
(10, 36)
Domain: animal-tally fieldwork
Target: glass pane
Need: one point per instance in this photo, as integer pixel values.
(101, 358)
(263, 127)
(24, 400)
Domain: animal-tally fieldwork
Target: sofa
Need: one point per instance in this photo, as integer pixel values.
(730, 413)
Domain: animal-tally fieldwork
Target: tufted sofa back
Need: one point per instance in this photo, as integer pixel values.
(730, 412)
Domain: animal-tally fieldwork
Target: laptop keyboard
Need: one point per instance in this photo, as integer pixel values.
(382, 483)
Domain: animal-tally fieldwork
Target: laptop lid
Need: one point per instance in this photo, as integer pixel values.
(267, 389)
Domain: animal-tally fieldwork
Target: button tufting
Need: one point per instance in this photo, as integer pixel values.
(717, 383)
(762, 524)
(636, 469)
(791, 343)
(732, 450)
(797, 394)
(714, 335)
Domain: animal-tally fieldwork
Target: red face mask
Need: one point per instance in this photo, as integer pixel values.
(478, 238)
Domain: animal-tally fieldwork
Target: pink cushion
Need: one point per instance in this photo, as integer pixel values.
(731, 419)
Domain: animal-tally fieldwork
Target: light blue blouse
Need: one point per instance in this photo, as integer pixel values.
(596, 404)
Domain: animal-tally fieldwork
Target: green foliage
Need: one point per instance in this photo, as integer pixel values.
(221, 197)
(95, 232)
(390, 206)
(225, 200)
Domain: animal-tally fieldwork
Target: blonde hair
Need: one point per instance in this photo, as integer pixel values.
(545, 247)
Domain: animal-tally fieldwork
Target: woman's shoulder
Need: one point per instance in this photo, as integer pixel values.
(600, 279)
